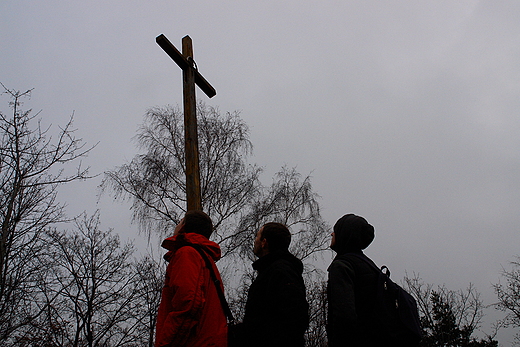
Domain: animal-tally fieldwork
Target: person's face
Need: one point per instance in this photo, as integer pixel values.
(179, 228)
(260, 245)
(333, 240)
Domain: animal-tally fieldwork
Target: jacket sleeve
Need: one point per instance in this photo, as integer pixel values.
(342, 317)
(186, 278)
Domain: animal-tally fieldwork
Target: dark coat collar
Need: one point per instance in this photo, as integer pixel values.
(265, 261)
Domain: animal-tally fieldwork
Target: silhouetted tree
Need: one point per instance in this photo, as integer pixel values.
(98, 296)
(509, 296)
(232, 193)
(33, 165)
(149, 284)
(316, 334)
(155, 180)
(449, 318)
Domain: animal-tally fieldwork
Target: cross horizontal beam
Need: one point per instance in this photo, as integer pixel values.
(184, 64)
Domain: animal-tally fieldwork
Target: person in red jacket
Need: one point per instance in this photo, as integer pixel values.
(190, 312)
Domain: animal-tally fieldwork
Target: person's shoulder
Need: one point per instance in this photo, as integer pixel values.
(287, 265)
(187, 252)
(184, 259)
(289, 259)
(342, 263)
(353, 258)
(282, 263)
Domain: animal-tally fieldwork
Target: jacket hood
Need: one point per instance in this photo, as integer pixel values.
(173, 243)
(353, 234)
(270, 258)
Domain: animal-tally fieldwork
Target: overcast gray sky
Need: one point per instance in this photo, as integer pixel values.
(405, 112)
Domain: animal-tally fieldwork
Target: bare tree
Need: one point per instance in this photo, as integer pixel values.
(97, 292)
(448, 317)
(155, 180)
(232, 193)
(32, 167)
(289, 200)
(509, 296)
(316, 335)
(150, 281)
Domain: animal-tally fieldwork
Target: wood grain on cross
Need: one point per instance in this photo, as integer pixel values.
(190, 76)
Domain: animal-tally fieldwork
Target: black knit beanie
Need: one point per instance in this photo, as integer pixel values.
(352, 233)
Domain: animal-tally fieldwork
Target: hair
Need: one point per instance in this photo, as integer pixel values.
(352, 233)
(277, 235)
(198, 222)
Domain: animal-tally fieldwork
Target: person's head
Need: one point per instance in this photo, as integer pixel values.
(195, 222)
(272, 237)
(351, 234)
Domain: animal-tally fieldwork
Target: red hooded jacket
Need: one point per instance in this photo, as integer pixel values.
(190, 313)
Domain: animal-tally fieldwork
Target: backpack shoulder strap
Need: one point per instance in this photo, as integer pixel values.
(220, 292)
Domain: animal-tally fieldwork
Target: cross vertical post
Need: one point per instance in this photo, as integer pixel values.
(191, 139)
(190, 76)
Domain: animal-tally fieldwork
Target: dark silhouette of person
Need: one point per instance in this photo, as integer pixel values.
(276, 312)
(352, 287)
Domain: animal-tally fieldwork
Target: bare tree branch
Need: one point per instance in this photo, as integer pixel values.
(32, 167)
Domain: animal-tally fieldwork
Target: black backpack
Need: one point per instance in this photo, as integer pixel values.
(396, 308)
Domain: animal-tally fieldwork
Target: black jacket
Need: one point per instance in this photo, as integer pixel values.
(351, 291)
(276, 310)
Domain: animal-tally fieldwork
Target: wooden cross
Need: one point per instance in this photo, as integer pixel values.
(190, 76)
